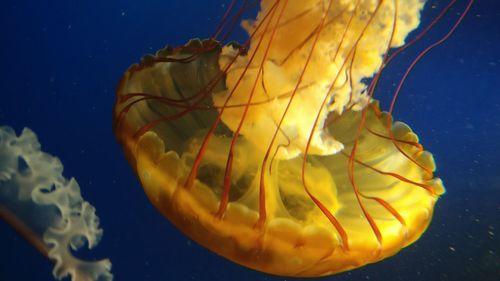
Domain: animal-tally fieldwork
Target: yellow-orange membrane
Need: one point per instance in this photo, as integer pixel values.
(238, 148)
(349, 47)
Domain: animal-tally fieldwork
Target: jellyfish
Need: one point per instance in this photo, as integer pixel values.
(46, 208)
(274, 153)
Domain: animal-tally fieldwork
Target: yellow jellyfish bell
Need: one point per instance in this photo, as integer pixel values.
(273, 153)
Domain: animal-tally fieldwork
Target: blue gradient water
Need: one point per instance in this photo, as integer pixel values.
(60, 64)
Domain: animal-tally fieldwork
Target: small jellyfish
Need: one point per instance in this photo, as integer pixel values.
(46, 208)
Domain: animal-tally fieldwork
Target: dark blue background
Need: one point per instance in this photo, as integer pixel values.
(60, 63)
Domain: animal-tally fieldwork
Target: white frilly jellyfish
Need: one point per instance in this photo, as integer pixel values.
(46, 208)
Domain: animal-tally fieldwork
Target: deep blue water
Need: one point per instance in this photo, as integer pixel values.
(61, 61)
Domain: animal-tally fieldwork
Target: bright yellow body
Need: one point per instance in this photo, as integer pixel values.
(202, 127)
